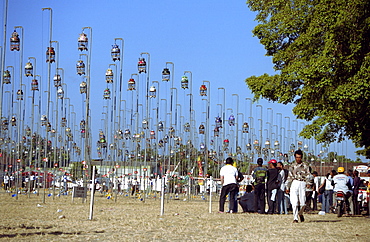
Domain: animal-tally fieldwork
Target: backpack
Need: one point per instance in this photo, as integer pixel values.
(260, 176)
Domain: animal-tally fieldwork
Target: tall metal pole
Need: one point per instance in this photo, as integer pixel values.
(3, 57)
(207, 127)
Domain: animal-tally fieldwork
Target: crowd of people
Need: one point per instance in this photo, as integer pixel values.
(296, 189)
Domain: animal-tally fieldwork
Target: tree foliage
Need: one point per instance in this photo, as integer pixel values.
(321, 53)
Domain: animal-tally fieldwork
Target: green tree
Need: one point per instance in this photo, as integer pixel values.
(320, 51)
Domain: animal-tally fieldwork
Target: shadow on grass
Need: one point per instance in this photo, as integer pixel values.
(324, 221)
(46, 233)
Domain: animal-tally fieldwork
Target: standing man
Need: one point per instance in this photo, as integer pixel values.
(317, 184)
(298, 173)
(282, 201)
(229, 176)
(259, 175)
(273, 183)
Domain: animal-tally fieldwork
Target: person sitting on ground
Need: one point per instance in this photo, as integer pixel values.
(247, 200)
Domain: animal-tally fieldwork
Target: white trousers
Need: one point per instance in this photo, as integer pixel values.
(297, 196)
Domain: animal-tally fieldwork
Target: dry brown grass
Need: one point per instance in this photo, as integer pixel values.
(129, 219)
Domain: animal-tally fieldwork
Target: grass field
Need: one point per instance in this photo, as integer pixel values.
(129, 219)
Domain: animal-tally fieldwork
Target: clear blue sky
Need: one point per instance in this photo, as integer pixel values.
(212, 39)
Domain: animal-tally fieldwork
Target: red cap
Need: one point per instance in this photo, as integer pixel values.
(272, 161)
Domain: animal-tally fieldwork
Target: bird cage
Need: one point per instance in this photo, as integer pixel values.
(109, 76)
(160, 126)
(145, 124)
(152, 92)
(57, 80)
(13, 121)
(131, 85)
(160, 143)
(245, 127)
(119, 134)
(267, 144)
(106, 94)
(50, 54)
(44, 120)
(203, 90)
(28, 69)
(82, 42)
(187, 127)
(216, 132)
(202, 146)
(63, 123)
(166, 74)
(171, 131)
(152, 134)
(5, 124)
(48, 127)
(19, 94)
(115, 53)
(14, 41)
(83, 87)
(218, 122)
(276, 144)
(52, 133)
(165, 138)
(232, 120)
(34, 85)
(141, 65)
(256, 144)
(249, 146)
(60, 93)
(82, 124)
(184, 82)
(300, 143)
(201, 129)
(6, 77)
(127, 134)
(28, 131)
(226, 143)
(80, 66)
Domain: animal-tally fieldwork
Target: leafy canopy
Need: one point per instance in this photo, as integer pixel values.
(320, 50)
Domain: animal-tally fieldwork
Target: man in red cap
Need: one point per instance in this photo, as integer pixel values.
(273, 183)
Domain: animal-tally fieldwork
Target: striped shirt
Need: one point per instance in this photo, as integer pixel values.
(300, 172)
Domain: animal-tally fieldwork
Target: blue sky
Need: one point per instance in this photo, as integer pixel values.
(212, 39)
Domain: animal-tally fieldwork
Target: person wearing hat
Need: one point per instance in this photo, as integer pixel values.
(296, 186)
(273, 183)
(259, 175)
(341, 182)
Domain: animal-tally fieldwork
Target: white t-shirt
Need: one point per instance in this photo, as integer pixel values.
(340, 183)
(229, 173)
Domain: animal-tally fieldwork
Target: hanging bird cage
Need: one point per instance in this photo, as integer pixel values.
(184, 82)
(34, 85)
(28, 69)
(152, 134)
(115, 53)
(127, 134)
(166, 75)
(109, 76)
(44, 120)
(48, 127)
(160, 126)
(218, 122)
(63, 123)
(136, 137)
(187, 127)
(245, 127)
(57, 80)
(231, 120)
(201, 129)
(226, 143)
(80, 66)
(119, 134)
(249, 146)
(300, 143)
(101, 134)
(19, 94)
(131, 85)
(216, 132)
(28, 131)
(256, 144)
(14, 41)
(152, 92)
(171, 131)
(82, 124)
(13, 120)
(160, 143)
(276, 144)
(267, 144)
(202, 146)
(52, 133)
(50, 54)
(203, 90)
(82, 42)
(6, 77)
(141, 65)
(5, 124)
(145, 124)
(166, 138)
(60, 93)
(106, 94)
(83, 87)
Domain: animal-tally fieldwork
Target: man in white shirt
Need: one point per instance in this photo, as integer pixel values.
(342, 183)
(229, 176)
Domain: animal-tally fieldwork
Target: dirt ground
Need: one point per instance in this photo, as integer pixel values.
(129, 219)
